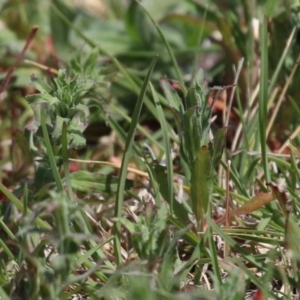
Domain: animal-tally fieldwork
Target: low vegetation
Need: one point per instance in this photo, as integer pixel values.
(149, 150)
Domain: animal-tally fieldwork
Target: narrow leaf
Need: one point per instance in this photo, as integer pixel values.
(217, 147)
(89, 182)
(125, 162)
(200, 192)
(167, 147)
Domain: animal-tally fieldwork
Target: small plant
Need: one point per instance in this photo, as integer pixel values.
(199, 156)
(62, 102)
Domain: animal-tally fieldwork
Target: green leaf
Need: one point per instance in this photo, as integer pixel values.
(131, 227)
(270, 7)
(293, 242)
(65, 158)
(89, 182)
(81, 110)
(141, 240)
(217, 147)
(57, 131)
(3, 294)
(200, 186)
(40, 84)
(161, 217)
(90, 62)
(24, 146)
(263, 94)
(150, 240)
(191, 134)
(63, 87)
(75, 64)
(172, 97)
(19, 204)
(192, 99)
(59, 108)
(180, 210)
(76, 138)
(50, 154)
(125, 161)
(42, 98)
(167, 147)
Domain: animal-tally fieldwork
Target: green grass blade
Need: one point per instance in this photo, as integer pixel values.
(139, 127)
(6, 250)
(263, 95)
(281, 61)
(50, 154)
(3, 295)
(20, 206)
(125, 162)
(233, 243)
(243, 253)
(7, 230)
(214, 257)
(84, 257)
(61, 214)
(200, 185)
(167, 146)
(65, 158)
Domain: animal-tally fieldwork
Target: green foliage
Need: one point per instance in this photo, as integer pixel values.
(62, 104)
(150, 238)
(69, 228)
(85, 181)
(199, 157)
(201, 185)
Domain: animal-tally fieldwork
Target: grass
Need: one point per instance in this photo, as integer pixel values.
(149, 151)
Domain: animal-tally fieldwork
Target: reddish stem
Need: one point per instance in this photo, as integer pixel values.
(19, 58)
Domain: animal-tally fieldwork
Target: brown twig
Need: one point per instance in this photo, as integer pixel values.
(19, 58)
(42, 67)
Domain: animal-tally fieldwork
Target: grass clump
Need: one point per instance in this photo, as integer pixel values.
(132, 168)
